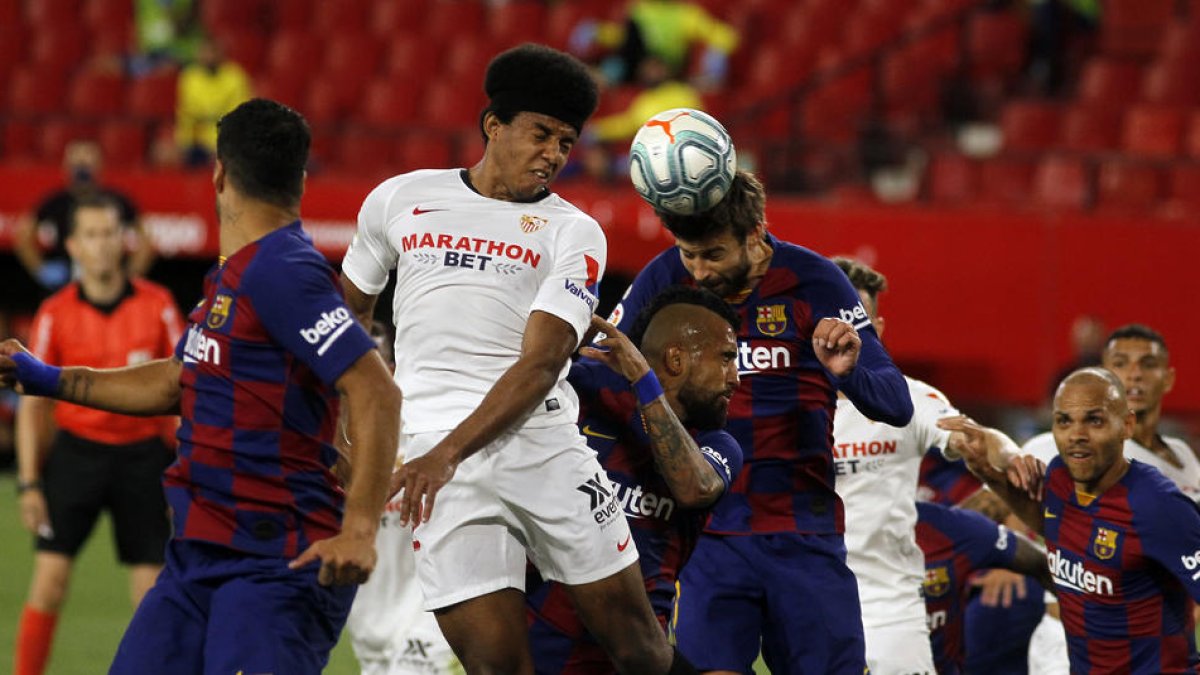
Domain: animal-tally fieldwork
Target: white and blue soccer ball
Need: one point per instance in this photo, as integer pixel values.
(682, 161)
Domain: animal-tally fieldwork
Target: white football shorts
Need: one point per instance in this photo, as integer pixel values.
(536, 494)
(899, 649)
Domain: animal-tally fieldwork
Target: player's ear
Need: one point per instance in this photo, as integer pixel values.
(491, 125)
(218, 176)
(674, 360)
(1169, 380)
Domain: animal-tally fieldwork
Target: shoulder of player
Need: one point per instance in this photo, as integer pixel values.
(923, 390)
(1147, 485)
(406, 188)
(62, 299)
(283, 259)
(1182, 447)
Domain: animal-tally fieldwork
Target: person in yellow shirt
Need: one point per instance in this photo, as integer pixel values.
(667, 29)
(208, 88)
(660, 93)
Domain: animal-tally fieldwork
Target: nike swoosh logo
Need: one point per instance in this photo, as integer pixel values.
(1046, 513)
(622, 546)
(418, 211)
(587, 431)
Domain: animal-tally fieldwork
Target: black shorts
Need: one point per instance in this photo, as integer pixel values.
(81, 478)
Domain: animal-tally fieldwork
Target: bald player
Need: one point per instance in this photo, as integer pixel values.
(1123, 542)
(654, 418)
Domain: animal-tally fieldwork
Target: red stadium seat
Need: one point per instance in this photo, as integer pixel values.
(390, 18)
(50, 14)
(1006, 181)
(1109, 81)
(1183, 191)
(10, 13)
(836, 111)
(95, 95)
(343, 16)
(36, 93)
(448, 20)
(867, 33)
(410, 57)
(775, 68)
(56, 134)
(12, 48)
(244, 46)
(124, 144)
(1191, 143)
(351, 58)
(221, 16)
(1171, 84)
(911, 96)
(326, 102)
(290, 15)
(387, 104)
(1030, 125)
(1088, 128)
(286, 90)
(106, 16)
(1060, 183)
(994, 42)
(1127, 186)
(423, 151)
(1134, 28)
(511, 23)
(112, 44)
(293, 53)
(58, 48)
(467, 60)
(1181, 42)
(468, 148)
(938, 53)
(448, 105)
(366, 154)
(153, 97)
(952, 178)
(561, 18)
(19, 141)
(1153, 131)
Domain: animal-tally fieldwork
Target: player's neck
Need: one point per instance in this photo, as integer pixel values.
(102, 289)
(760, 253)
(244, 222)
(1145, 428)
(1088, 492)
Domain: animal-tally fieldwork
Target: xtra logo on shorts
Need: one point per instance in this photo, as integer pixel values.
(599, 490)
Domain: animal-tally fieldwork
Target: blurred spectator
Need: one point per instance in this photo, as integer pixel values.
(667, 29)
(167, 34)
(1057, 29)
(50, 222)
(208, 88)
(605, 147)
(1087, 344)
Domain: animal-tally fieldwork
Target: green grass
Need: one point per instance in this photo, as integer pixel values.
(97, 608)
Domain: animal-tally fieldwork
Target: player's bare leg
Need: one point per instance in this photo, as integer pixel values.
(141, 579)
(488, 633)
(617, 613)
(51, 576)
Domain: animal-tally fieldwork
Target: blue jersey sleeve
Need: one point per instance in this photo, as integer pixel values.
(1169, 525)
(984, 542)
(875, 386)
(301, 308)
(723, 453)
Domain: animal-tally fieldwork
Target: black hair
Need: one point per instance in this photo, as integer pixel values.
(537, 78)
(263, 146)
(683, 295)
(97, 200)
(1137, 331)
(862, 276)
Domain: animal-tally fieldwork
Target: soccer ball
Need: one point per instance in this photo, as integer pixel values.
(682, 161)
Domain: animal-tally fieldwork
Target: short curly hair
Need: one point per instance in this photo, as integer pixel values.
(862, 276)
(741, 210)
(682, 295)
(537, 78)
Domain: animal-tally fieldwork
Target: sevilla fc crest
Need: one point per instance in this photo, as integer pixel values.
(531, 224)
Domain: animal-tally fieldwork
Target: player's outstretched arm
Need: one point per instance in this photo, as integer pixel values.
(372, 404)
(992, 457)
(545, 349)
(150, 388)
(693, 481)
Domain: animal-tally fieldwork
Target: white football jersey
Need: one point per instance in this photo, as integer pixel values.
(877, 469)
(1186, 478)
(469, 272)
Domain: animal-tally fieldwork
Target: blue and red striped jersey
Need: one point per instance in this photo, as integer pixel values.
(1126, 568)
(664, 532)
(782, 412)
(956, 542)
(944, 481)
(260, 356)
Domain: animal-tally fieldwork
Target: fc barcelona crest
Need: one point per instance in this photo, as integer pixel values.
(219, 314)
(771, 320)
(937, 581)
(531, 224)
(1104, 545)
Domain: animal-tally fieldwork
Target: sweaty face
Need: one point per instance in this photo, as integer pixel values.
(1143, 368)
(712, 377)
(720, 263)
(529, 152)
(95, 244)
(1090, 429)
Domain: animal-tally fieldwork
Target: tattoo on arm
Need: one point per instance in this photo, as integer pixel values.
(675, 452)
(75, 386)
